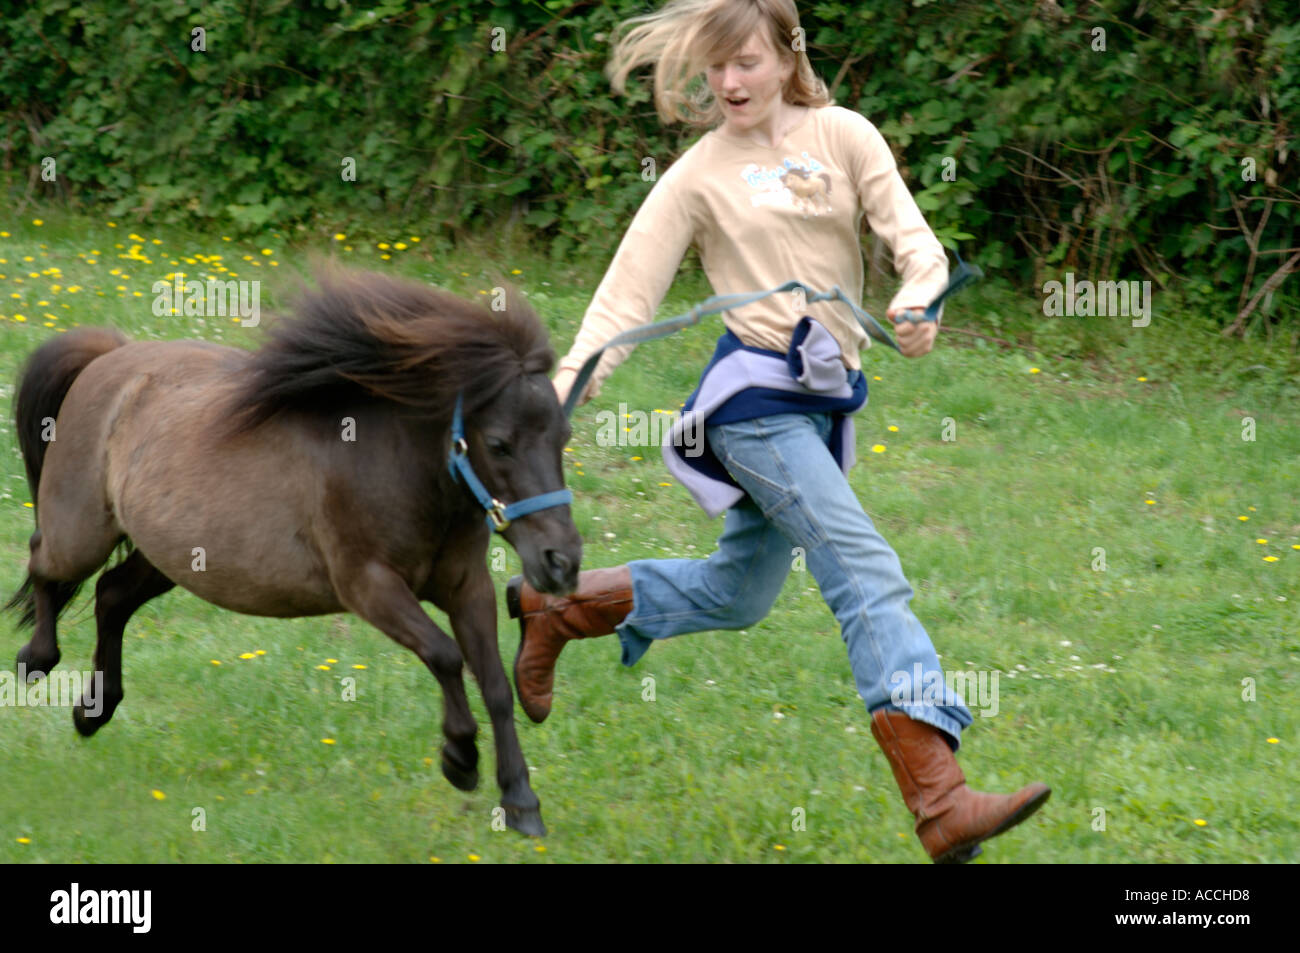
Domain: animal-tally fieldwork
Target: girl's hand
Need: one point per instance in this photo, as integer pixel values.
(563, 383)
(915, 338)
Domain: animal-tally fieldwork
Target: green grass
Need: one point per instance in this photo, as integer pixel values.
(998, 531)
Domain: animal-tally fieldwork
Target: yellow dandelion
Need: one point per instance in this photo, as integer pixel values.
(464, 274)
(37, 221)
(400, 246)
(358, 666)
(434, 860)
(339, 236)
(327, 741)
(1273, 741)
(260, 652)
(4, 234)
(332, 661)
(892, 429)
(877, 378)
(1270, 559)
(24, 840)
(158, 795)
(1261, 541)
(878, 448)
(474, 857)
(215, 662)
(516, 271)
(383, 245)
(778, 847)
(1142, 378)
(1243, 518)
(1198, 822)
(323, 668)
(247, 655)
(636, 458)
(385, 257)
(540, 848)
(266, 251)
(428, 762)
(415, 238)
(1149, 502)
(665, 484)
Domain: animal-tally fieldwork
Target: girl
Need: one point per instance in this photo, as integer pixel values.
(776, 189)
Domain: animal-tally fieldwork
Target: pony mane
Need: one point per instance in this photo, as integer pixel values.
(366, 336)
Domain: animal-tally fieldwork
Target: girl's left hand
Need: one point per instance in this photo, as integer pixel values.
(915, 338)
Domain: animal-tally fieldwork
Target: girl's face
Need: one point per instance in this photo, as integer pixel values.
(748, 86)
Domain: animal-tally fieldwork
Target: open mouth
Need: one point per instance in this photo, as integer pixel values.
(737, 101)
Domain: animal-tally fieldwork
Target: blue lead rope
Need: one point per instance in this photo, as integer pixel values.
(500, 515)
(963, 276)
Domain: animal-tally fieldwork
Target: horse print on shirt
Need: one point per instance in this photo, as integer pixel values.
(804, 186)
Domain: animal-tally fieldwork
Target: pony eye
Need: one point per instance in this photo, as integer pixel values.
(498, 448)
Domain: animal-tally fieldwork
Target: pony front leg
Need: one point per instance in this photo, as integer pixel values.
(380, 596)
(472, 610)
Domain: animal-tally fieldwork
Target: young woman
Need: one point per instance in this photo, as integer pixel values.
(775, 190)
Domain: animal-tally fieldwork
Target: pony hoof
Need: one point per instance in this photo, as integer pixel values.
(86, 725)
(35, 668)
(525, 820)
(463, 779)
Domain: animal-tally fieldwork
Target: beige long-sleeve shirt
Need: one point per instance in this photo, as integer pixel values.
(761, 216)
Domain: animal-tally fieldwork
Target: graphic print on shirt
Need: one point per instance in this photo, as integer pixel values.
(804, 186)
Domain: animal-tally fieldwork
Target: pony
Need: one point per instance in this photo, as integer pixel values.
(308, 477)
(811, 192)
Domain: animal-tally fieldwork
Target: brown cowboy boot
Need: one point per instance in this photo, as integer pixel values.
(951, 819)
(603, 600)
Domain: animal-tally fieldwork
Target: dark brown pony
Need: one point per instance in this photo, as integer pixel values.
(308, 477)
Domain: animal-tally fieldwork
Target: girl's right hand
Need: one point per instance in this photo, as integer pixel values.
(563, 383)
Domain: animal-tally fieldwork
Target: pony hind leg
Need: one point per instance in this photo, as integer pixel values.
(73, 538)
(41, 600)
(118, 594)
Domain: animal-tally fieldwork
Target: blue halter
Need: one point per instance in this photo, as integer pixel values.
(499, 515)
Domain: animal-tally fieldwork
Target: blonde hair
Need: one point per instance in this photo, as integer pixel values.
(686, 35)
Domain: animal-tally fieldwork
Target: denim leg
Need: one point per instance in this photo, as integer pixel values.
(731, 589)
(783, 462)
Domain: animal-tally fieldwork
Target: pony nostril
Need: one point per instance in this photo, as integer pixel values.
(558, 563)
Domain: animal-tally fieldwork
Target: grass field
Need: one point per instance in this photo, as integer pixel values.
(1157, 696)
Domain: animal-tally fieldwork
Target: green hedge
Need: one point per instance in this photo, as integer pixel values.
(1125, 162)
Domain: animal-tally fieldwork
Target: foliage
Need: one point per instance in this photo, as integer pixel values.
(1117, 162)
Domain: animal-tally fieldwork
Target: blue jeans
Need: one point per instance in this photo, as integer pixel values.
(798, 496)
